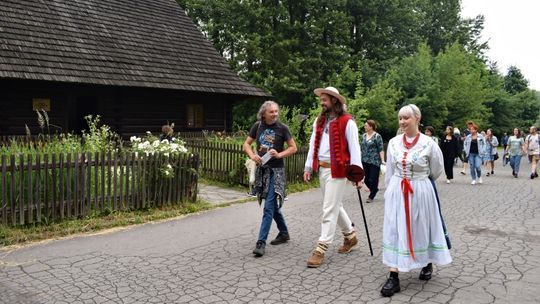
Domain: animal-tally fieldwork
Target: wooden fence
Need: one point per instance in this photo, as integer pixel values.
(41, 188)
(225, 162)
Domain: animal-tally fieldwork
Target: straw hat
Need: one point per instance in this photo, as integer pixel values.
(330, 91)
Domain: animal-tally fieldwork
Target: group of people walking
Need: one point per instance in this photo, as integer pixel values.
(516, 146)
(476, 148)
(413, 231)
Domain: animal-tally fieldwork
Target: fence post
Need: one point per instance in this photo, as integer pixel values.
(38, 187)
(30, 191)
(13, 190)
(21, 189)
(70, 193)
(62, 200)
(4, 191)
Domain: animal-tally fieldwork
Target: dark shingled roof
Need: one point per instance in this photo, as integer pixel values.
(139, 43)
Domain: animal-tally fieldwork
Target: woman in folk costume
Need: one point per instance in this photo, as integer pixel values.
(413, 232)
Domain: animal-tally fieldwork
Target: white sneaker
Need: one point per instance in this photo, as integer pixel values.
(480, 180)
(473, 182)
(448, 181)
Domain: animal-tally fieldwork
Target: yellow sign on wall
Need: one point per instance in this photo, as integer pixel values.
(41, 104)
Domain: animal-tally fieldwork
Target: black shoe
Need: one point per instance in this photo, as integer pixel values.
(492, 173)
(259, 249)
(425, 273)
(280, 239)
(535, 174)
(532, 175)
(390, 287)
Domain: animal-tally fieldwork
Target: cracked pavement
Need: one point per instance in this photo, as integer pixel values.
(206, 257)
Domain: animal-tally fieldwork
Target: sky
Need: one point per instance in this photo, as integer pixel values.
(511, 28)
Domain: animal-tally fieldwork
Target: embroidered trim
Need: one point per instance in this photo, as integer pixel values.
(420, 251)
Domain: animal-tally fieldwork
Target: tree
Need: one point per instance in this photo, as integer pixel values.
(514, 82)
(381, 54)
(464, 86)
(526, 105)
(503, 117)
(380, 102)
(449, 88)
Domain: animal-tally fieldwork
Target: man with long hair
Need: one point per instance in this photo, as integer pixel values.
(333, 148)
(270, 135)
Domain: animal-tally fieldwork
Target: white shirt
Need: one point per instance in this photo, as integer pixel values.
(532, 144)
(351, 133)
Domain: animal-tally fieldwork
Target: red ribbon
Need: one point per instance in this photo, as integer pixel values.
(407, 189)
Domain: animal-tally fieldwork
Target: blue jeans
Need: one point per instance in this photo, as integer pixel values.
(271, 211)
(475, 163)
(515, 160)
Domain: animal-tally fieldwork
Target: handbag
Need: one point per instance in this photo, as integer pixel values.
(496, 156)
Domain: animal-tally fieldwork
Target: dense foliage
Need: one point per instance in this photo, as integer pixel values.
(380, 54)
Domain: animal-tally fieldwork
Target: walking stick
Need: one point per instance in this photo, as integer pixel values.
(365, 223)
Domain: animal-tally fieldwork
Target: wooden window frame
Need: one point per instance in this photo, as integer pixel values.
(195, 116)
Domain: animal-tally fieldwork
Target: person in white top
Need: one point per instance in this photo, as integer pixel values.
(333, 150)
(414, 234)
(532, 146)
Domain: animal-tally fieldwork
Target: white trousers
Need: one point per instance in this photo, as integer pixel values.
(333, 212)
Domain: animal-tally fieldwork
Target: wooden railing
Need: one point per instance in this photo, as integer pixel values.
(36, 188)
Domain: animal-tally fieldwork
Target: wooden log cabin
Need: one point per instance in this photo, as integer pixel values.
(137, 63)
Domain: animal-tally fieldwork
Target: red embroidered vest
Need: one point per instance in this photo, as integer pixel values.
(339, 148)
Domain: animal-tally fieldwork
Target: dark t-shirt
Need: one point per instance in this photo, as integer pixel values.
(270, 137)
(474, 146)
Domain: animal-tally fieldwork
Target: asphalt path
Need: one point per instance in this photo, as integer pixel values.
(206, 257)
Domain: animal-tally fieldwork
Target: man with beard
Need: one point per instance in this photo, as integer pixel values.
(333, 148)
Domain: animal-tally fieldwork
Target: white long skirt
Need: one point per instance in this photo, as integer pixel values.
(427, 229)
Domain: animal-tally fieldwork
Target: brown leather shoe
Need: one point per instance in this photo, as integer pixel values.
(348, 245)
(315, 260)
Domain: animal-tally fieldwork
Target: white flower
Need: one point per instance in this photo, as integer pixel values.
(133, 138)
